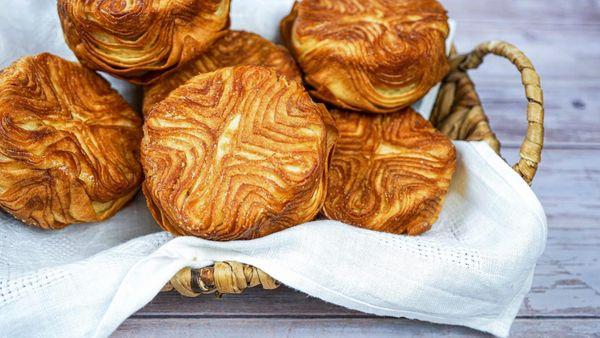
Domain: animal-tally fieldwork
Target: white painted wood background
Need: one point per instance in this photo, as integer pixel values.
(562, 37)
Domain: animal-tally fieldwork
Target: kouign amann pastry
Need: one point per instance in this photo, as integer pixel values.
(377, 56)
(140, 40)
(238, 153)
(233, 49)
(69, 144)
(388, 172)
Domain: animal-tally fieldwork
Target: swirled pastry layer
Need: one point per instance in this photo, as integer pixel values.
(389, 172)
(234, 48)
(139, 40)
(69, 144)
(376, 56)
(238, 153)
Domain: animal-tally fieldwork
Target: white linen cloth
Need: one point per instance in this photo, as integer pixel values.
(473, 268)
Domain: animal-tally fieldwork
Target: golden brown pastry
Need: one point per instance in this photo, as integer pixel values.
(376, 56)
(389, 172)
(69, 144)
(234, 48)
(238, 153)
(139, 40)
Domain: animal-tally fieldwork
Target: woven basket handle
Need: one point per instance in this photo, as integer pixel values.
(531, 148)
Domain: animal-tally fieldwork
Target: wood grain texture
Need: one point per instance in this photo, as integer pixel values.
(572, 110)
(559, 36)
(341, 327)
(554, 12)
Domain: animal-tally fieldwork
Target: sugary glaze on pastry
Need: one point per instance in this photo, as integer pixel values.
(388, 172)
(69, 144)
(376, 56)
(238, 153)
(234, 48)
(139, 40)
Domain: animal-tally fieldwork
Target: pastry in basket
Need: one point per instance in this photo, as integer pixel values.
(69, 144)
(375, 56)
(139, 40)
(388, 172)
(238, 153)
(234, 48)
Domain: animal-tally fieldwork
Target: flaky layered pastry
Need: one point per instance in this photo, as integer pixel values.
(139, 40)
(388, 172)
(238, 153)
(376, 56)
(234, 48)
(69, 144)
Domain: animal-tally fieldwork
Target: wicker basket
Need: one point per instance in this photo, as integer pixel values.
(458, 113)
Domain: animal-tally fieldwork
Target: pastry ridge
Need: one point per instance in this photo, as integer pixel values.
(232, 49)
(141, 40)
(238, 153)
(69, 144)
(377, 56)
(388, 172)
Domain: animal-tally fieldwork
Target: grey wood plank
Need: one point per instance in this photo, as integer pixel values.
(568, 185)
(553, 12)
(572, 110)
(567, 279)
(559, 54)
(341, 327)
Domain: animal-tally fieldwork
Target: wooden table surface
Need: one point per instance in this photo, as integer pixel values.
(562, 37)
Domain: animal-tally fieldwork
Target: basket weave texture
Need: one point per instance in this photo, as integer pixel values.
(458, 113)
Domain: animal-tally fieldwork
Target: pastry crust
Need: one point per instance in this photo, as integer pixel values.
(376, 56)
(234, 48)
(238, 153)
(140, 40)
(69, 144)
(389, 172)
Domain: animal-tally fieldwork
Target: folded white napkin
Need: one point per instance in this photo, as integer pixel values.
(473, 268)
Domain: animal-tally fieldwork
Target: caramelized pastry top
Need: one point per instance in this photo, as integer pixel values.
(69, 144)
(234, 48)
(139, 40)
(376, 56)
(388, 172)
(238, 153)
